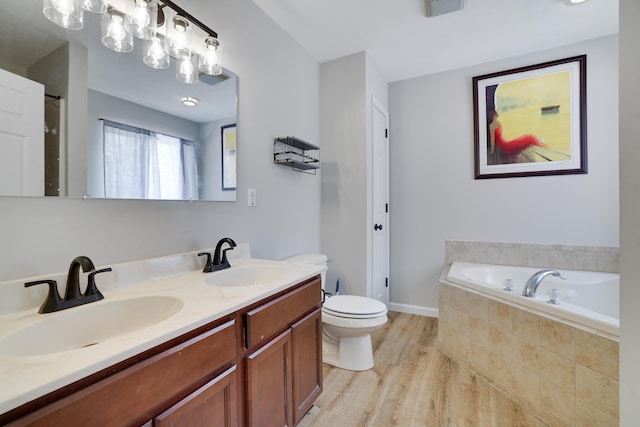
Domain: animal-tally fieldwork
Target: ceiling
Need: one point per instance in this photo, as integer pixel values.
(404, 43)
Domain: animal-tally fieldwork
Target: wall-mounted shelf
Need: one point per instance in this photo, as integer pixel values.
(297, 154)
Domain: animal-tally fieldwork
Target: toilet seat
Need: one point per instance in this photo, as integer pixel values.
(354, 307)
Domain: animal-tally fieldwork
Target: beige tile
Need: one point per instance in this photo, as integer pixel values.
(525, 354)
(598, 390)
(590, 416)
(478, 357)
(561, 259)
(458, 298)
(597, 353)
(525, 387)
(558, 402)
(477, 306)
(499, 372)
(526, 325)
(585, 260)
(479, 330)
(558, 370)
(558, 337)
(501, 342)
(446, 294)
(500, 316)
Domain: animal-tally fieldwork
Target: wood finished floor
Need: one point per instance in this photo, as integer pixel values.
(412, 384)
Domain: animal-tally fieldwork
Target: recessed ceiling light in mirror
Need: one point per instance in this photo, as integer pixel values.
(189, 101)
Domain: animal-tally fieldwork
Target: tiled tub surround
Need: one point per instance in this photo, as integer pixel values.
(25, 378)
(565, 375)
(586, 258)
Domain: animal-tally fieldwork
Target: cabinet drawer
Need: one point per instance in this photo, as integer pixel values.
(214, 404)
(274, 317)
(141, 391)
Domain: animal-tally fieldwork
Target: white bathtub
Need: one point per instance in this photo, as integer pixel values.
(587, 298)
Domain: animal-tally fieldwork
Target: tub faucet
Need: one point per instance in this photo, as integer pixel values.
(220, 261)
(532, 284)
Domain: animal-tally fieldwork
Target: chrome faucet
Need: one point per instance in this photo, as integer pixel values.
(72, 295)
(532, 284)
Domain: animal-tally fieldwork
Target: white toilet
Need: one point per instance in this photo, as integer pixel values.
(347, 324)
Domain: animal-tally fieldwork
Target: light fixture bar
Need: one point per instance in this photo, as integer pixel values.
(194, 21)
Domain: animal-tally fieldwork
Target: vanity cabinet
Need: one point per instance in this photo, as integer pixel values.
(290, 364)
(259, 366)
(133, 395)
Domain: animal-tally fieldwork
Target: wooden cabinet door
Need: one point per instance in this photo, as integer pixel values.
(269, 384)
(212, 405)
(306, 353)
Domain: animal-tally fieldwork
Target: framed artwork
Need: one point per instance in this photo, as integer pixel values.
(531, 121)
(228, 138)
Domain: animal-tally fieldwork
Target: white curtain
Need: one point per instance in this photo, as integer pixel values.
(141, 164)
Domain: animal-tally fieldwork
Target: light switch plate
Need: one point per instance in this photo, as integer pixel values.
(251, 197)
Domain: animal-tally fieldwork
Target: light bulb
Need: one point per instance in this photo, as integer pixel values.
(116, 29)
(210, 59)
(187, 70)
(141, 16)
(63, 6)
(186, 67)
(114, 35)
(65, 13)
(155, 56)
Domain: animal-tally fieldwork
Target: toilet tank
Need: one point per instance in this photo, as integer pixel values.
(315, 259)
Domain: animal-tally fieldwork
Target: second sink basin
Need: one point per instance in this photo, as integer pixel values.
(249, 275)
(87, 325)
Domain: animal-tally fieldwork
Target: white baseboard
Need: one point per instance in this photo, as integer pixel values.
(414, 309)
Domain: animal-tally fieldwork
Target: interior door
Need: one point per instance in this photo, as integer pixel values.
(380, 173)
(21, 136)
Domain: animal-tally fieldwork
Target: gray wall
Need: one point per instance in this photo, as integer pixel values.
(41, 235)
(434, 196)
(629, 214)
(348, 86)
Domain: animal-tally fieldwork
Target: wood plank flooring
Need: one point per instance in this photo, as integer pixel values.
(412, 384)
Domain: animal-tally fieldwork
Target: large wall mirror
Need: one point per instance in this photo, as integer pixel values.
(83, 105)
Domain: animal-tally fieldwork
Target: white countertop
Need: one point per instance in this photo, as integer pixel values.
(25, 378)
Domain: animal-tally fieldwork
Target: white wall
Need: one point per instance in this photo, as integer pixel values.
(435, 198)
(278, 95)
(629, 214)
(348, 86)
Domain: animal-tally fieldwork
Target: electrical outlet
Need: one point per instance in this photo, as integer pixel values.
(251, 197)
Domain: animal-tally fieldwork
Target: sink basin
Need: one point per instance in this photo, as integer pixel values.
(87, 325)
(248, 275)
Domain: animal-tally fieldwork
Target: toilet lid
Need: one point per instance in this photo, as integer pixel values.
(354, 306)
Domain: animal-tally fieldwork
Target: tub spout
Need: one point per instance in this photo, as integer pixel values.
(532, 284)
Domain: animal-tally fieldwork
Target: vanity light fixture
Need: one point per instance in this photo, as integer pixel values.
(177, 41)
(211, 59)
(114, 34)
(66, 13)
(165, 28)
(189, 101)
(95, 6)
(187, 69)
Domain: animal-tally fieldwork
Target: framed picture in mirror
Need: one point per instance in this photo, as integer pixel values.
(229, 141)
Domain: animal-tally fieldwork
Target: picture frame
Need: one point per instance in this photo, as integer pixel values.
(228, 140)
(531, 121)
